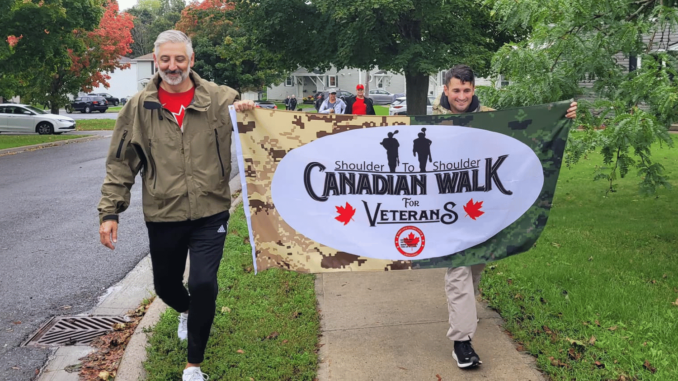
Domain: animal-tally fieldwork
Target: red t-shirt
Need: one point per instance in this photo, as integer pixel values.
(359, 107)
(176, 103)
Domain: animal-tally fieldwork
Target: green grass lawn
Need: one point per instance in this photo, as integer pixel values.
(94, 124)
(271, 318)
(596, 299)
(13, 141)
(381, 110)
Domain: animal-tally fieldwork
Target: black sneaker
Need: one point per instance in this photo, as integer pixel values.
(465, 355)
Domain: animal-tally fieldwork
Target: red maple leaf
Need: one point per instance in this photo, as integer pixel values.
(345, 213)
(473, 209)
(411, 240)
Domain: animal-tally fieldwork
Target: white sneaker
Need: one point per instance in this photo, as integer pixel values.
(194, 374)
(182, 332)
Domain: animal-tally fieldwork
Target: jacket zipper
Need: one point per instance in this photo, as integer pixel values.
(122, 141)
(150, 156)
(216, 136)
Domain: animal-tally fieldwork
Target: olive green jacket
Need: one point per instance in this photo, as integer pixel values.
(184, 175)
(439, 109)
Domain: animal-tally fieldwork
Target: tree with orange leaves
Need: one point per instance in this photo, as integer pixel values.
(91, 55)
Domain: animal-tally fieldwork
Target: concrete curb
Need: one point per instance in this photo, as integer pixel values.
(12, 151)
(131, 366)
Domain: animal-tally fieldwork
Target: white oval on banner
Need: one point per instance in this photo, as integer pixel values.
(340, 190)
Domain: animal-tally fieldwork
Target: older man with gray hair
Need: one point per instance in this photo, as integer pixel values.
(177, 133)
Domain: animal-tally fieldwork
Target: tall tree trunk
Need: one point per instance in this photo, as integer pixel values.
(417, 89)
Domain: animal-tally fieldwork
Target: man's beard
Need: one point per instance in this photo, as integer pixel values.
(176, 80)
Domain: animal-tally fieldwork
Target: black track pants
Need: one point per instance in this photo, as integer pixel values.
(170, 243)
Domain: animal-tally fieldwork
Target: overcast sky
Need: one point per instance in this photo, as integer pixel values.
(124, 4)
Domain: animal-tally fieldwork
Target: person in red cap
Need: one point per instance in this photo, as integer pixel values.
(358, 104)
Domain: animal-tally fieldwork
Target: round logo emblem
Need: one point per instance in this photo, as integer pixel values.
(410, 241)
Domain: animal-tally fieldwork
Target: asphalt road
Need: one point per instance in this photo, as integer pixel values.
(51, 261)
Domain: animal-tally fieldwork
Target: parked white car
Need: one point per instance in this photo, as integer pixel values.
(399, 107)
(23, 118)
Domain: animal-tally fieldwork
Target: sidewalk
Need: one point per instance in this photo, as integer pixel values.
(391, 326)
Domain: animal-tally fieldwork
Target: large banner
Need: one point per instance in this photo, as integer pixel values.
(358, 193)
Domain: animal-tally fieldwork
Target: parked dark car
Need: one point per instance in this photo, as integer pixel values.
(88, 104)
(265, 104)
(109, 98)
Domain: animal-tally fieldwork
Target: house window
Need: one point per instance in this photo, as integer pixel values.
(289, 81)
(333, 80)
(633, 63)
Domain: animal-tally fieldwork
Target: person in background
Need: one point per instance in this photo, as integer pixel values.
(358, 104)
(332, 105)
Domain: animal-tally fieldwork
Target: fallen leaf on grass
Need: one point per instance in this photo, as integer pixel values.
(600, 365)
(557, 245)
(225, 310)
(597, 323)
(272, 336)
(547, 330)
(613, 328)
(518, 296)
(590, 259)
(296, 314)
(574, 342)
(675, 303)
(240, 351)
(593, 340)
(285, 341)
(509, 281)
(649, 367)
(558, 363)
(572, 354)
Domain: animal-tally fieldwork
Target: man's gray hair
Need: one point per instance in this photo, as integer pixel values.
(174, 36)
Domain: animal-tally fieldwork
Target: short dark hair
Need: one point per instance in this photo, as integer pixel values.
(461, 72)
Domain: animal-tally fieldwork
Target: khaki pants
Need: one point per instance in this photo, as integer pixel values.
(461, 286)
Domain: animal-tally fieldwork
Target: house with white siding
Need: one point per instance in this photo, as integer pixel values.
(303, 82)
(127, 82)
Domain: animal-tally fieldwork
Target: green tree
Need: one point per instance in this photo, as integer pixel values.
(225, 52)
(90, 56)
(593, 40)
(414, 37)
(152, 17)
(36, 37)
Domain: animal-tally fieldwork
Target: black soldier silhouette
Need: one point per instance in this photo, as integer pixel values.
(422, 147)
(391, 145)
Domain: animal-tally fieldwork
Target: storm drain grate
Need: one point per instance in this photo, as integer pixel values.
(73, 330)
